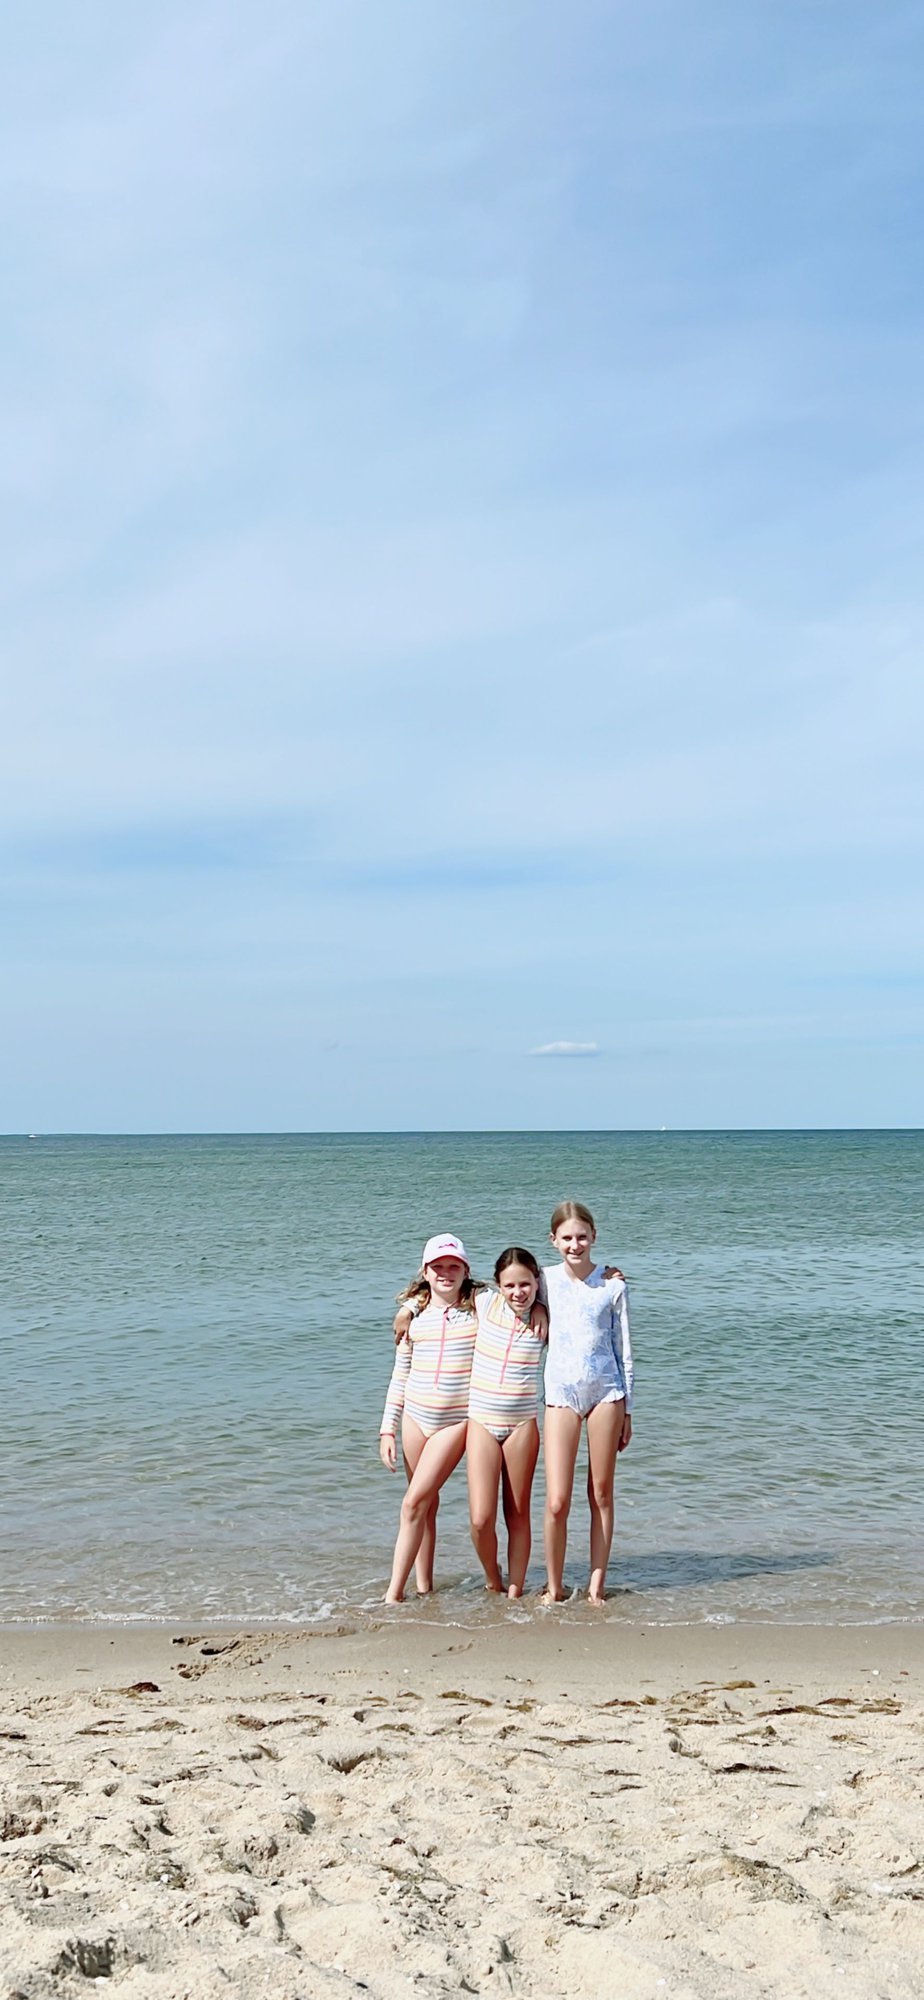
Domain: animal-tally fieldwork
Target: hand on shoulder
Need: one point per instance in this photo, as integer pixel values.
(402, 1321)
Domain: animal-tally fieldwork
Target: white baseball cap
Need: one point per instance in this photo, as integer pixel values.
(443, 1246)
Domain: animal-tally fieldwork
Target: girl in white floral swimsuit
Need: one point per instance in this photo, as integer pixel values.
(588, 1379)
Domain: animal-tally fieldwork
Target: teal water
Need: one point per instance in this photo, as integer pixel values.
(196, 1342)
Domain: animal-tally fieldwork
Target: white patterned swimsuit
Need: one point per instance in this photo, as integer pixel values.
(590, 1352)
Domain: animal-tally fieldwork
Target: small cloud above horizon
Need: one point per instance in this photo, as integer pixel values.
(567, 1049)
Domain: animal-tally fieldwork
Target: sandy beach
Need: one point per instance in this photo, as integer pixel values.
(417, 1809)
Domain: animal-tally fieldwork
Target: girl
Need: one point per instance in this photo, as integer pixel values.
(503, 1431)
(588, 1378)
(430, 1384)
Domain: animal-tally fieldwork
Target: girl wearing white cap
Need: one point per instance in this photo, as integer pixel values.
(429, 1392)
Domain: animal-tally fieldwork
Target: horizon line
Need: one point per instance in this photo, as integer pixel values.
(445, 1131)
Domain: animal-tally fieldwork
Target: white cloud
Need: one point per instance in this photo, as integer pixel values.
(567, 1049)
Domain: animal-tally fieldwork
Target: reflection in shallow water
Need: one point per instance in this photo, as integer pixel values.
(692, 1569)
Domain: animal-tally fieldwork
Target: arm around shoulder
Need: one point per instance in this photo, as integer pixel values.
(539, 1320)
(402, 1321)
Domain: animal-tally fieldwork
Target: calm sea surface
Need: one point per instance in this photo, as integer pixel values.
(196, 1343)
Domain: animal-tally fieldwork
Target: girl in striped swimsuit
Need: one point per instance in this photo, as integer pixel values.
(429, 1393)
(503, 1432)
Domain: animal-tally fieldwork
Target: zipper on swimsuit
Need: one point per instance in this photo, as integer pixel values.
(519, 1325)
(439, 1358)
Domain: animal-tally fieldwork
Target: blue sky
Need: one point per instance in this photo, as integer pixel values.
(462, 505)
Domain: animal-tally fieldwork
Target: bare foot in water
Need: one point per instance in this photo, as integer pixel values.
(550, 1596)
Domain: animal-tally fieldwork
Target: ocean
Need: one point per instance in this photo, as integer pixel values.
(196, 1338)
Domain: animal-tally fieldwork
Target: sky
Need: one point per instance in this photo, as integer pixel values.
(463, 597)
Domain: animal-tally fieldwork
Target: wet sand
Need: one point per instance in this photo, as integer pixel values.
(537, 1808)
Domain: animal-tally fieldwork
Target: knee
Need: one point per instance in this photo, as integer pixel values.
(558, 1505)
(481, 1523)
(600, 1496)
(414, 1511)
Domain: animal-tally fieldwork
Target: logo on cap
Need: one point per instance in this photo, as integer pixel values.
(443, 1246)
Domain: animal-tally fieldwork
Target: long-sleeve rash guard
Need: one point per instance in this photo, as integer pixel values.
(590, 1351)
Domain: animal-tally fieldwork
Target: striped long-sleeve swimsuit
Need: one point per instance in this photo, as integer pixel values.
(505, 1367)
(432, 1371)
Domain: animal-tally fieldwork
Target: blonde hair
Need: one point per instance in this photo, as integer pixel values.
(418, 1291)
(571, 1211)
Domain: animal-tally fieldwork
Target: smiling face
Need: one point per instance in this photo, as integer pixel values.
(519, 1287)
(574, 1241)
(445, 1278)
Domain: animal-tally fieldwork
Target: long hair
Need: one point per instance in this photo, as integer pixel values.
(418, 1292)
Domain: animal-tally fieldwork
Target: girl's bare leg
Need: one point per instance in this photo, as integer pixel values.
(604, 1430)
(519, 1452)
(412, 1443)
(562, 1437)
(484, 1471)
(426, 1555)
(439, 1456)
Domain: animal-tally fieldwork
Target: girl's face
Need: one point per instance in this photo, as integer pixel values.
(574, 1241)
(445, 1278)
(519, 1286)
